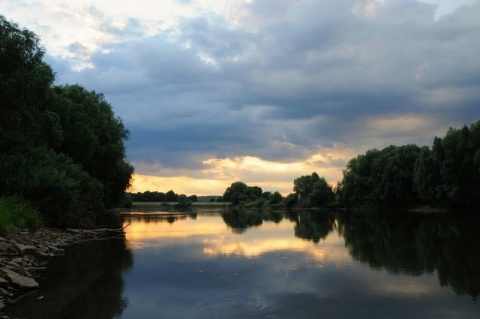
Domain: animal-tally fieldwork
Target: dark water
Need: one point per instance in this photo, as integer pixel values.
(269, 265)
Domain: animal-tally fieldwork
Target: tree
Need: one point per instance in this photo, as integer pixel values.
(312, 190)
(61, 148)
(303, 185)
(170, 196)
(426, 176)
(321, 195)
(291, 200)
(239, 192)
(183, 201)
(381, 178)
(94, 138)
(457, 156)
(24, 83)
(275, 198)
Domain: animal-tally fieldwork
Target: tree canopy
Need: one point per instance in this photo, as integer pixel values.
(312, 191)
(61, 147)
(446, 175)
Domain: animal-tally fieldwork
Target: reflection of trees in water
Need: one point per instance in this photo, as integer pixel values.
(313, 225)
(240, 220)
(85, 283)
(416, 244)
(310, 225)
(158, 218)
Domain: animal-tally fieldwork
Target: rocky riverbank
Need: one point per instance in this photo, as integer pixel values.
(24, 255)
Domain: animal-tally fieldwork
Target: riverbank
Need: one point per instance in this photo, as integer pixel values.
(24, 256)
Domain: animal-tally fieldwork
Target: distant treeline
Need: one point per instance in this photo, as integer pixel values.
(168, 197)
(61, 147)
(446, 175)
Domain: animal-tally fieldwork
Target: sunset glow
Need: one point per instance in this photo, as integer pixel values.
(215, 92)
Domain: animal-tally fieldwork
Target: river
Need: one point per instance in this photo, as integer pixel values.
(252, 264)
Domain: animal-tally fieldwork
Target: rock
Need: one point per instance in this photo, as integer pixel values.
(25, 249)
(3, 283)
(20, 281)
(18, 260)
(22, 239)
(41, 250)
(2, 305)
(57, 251)
(6, 246)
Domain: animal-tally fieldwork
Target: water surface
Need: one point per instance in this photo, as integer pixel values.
(269, 265)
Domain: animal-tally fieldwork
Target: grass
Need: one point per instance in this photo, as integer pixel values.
(17, 213)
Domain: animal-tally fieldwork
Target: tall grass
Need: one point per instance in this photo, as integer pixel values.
(17, 213)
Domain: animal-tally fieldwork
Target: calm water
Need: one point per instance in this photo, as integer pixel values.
(269, 265)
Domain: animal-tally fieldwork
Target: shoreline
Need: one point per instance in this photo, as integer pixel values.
(25, 254)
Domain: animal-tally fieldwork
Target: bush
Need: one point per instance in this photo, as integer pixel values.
(63, 193)
(17, 213)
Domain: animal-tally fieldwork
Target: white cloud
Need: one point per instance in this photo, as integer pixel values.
(266, 84)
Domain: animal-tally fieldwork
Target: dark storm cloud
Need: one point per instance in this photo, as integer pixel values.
(308, 74)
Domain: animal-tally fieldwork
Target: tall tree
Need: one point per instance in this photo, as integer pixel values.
(60, 148)
(312, 190)
(94, 138)
(24, 83)
(457, 155)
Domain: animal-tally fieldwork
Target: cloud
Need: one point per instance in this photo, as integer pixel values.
(207, 82)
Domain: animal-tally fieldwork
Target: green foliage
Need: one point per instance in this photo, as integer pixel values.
(60, 189)
(170, 196)
(127, 201)
(94, 137)
(446, 175)
(312, 191)
(17, 213)
(61, 148)
(291, 200)
(426, 176)
(193, 198)
(25, 80)
(183, 201)
(381, 178)
(240, 193)
(457, 155)
(275, 198)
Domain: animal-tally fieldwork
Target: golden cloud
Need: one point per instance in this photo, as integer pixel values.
(220, 173)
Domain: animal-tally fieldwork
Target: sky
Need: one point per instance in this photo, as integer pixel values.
(264, 91)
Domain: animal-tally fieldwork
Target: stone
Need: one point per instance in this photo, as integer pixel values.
(25, 249)
(5, 246)
(41, 250)
(3, 283)
(57, 251)
(2, 305)
(42, 256)
(20, 281)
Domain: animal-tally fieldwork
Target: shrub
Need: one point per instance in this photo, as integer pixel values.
(17, 213)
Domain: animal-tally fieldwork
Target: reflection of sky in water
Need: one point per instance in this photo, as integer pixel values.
(199, 268)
